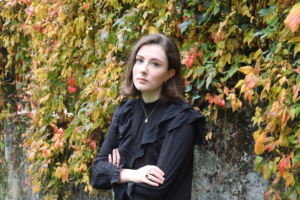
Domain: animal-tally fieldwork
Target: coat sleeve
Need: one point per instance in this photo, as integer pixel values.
(178, 146)
(104, 173)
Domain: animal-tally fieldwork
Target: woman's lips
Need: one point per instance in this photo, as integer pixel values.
(142, 80)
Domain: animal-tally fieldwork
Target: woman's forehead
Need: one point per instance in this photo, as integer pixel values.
(152, 51)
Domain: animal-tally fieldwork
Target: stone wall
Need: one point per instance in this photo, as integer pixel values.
(223, 168)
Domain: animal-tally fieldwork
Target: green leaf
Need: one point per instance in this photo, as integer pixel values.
(204, 46)
(200, 84)
(201, 18)
(188, 88)
(258, 160)
(230, 72)
(264, 12)
(1, 144)
(210, 75)
(68, 131)
(297, 157)
(184, 25)
(195, 96)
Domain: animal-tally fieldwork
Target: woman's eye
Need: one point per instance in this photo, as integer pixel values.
(155, 64)
(138, 60)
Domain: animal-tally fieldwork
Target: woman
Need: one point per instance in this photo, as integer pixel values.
(148, 150)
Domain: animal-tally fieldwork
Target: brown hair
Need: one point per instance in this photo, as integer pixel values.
(172, 90)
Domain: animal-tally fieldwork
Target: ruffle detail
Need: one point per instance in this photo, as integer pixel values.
(178, 114)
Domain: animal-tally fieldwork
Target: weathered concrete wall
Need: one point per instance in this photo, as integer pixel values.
(220, 172)
(215, 175)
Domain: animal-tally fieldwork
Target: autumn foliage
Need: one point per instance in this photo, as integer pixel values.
(66, 60)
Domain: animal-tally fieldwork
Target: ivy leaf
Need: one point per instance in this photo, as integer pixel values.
(266, 171)
(184, 25)
(264, 12)
(195, 96)
(201, 18)
(210, 75)
(297, 157)
(188, 88)
(200, 84)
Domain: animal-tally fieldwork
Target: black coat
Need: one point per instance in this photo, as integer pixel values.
(168, 144)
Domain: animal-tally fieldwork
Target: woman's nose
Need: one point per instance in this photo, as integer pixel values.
(144, 68)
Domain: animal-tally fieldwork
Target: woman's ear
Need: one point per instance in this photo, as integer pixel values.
(170, 74)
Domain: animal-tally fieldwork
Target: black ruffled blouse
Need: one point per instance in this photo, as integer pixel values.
(166, 141)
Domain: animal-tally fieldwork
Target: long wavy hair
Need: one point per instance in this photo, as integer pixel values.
(172, 90)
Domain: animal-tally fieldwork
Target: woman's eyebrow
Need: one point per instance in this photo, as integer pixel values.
(150, 59)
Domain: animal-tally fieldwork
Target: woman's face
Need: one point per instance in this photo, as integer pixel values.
(151, 69)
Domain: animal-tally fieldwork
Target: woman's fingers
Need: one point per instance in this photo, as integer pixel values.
(158, 176)
(109, 158)
(114, 157)
(156, 169)
(118, 158)
(155, 179)
(149, 182)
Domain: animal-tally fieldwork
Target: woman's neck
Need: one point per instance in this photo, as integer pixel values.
(150, 97)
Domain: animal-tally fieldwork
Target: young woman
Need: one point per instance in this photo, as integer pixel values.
(148, 151)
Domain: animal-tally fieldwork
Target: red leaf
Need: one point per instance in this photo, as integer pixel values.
(297, 70)
(85, 6)
(185, 18)
(41, 29)
(295, 91)
(216, 100)
(286, 162)
(267, 195)
(294, 24)
(252, 82)
(72, 81)
(226, 90)
(28, 2)
(92, 145)
(298, 136)
(222, 103)
(70, 89)
(281, 168)
(26, 181)
(257, 66)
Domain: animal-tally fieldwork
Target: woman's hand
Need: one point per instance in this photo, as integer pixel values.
(150, 175)
(116, 158)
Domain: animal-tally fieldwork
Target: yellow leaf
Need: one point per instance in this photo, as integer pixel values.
(239, 83)
(152, 30)
(246, 70)
(259, 148)
(208, 136)
(218, 85)
(257, 53)
(296, 49)
(113, 73)
(215, 116)
(45, 98)
(294, 39)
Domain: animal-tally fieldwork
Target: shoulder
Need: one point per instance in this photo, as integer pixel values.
(124, 110)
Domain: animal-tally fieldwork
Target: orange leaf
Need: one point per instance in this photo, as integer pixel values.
(259, 147)
(286, 162)
(257, 66)
(281, 168)
(85, 6)
(293, 19)
(226, 90)
(267, 195)
(295, 91)
(92, 145)
(246, 70)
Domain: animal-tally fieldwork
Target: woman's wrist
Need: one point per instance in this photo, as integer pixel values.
(127, 175)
